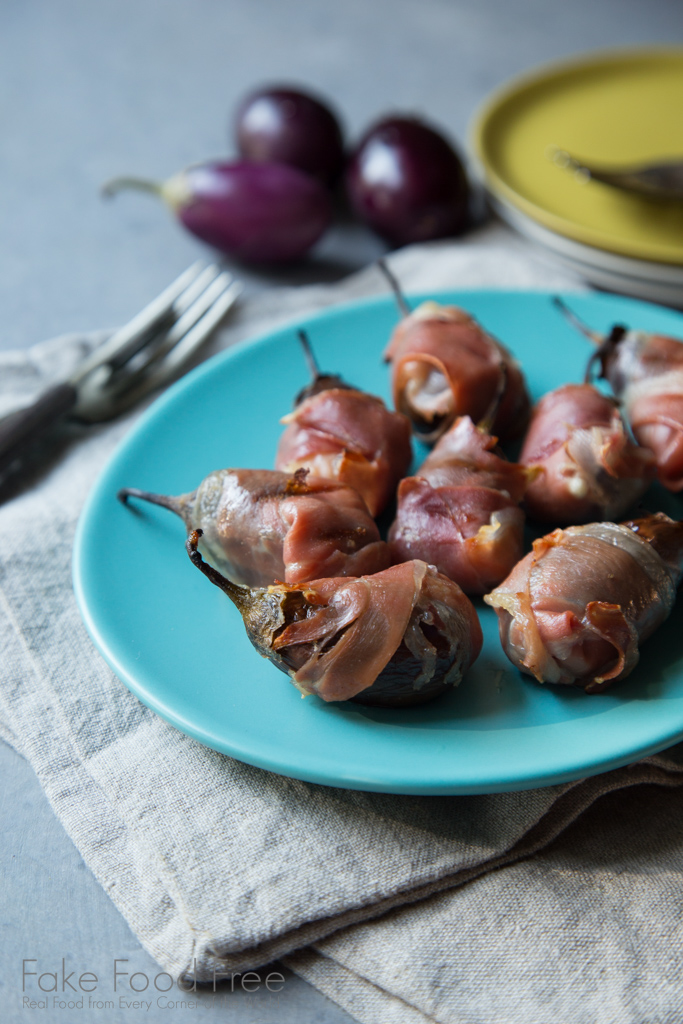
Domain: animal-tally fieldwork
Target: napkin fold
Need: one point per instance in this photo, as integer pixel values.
(588, 931)
(218, 866)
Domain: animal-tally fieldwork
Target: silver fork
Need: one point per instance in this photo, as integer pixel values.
(147, 352)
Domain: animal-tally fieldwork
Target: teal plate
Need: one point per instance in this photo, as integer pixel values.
(179, 645)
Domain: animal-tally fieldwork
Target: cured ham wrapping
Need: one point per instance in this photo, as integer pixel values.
(444, 365)
(589, 466)
(576, 608)
(645, 371)
(260, 526)
(397, 637)
(461, 512)
(349, 436)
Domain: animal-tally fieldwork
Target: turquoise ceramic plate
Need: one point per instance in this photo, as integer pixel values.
(179, 645)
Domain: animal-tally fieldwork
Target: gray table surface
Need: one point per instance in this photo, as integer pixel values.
(90, 90)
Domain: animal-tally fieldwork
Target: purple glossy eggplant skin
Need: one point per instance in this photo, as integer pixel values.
(256, 212)
(407, 183)
(289, 126)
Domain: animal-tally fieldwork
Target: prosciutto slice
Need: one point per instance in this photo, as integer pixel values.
(445, 365)
(577, 607)
(589, 466)
(645, 372)
(259, 526)
(461, 512)
(349, 436)
(406, 625)
(397, 637)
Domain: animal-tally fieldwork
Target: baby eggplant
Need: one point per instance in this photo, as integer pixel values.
(407, 182)
(289, 126)
(645, 372)
(445, 365)
(257, 212)
(460, 511)
(260, 526)
(399, 637)
(577, 607)
(341, 433)
(588, 465)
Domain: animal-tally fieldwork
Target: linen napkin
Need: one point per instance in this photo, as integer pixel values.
(216, 865)
(588, 931)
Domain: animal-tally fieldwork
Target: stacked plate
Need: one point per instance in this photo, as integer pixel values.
(617, 109)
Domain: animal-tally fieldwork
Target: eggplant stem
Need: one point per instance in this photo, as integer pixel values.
(319, 381)
(603, 352)
(114, 185)
(237, 594)
(312, 362)
(577, 322)
(165, 500)
(401, 301)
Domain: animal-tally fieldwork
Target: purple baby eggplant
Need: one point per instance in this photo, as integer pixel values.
(256, 212)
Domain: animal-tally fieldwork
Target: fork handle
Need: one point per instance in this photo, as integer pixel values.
(20, 428)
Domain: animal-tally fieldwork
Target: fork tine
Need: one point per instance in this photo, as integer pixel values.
(140, 326)
(147, 337)
(197, 334)
(184, 338)
(198, 308)
(191, 294)
(166, 344)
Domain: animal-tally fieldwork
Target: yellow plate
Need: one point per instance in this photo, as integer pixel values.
(616, 108)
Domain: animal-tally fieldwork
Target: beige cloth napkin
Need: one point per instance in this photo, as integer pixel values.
(218, 866)
(588, 931)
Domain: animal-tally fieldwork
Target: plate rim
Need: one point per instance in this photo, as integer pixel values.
(534, 77)
(669, 275)
(347, 779)
(601, 275)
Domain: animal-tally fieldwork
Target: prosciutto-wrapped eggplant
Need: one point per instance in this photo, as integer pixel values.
(395, 638)
(445, 365)
(589, 466)
(260, 526)
(645, 372)
(461, 512)
(341, 433)
(577, 607)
